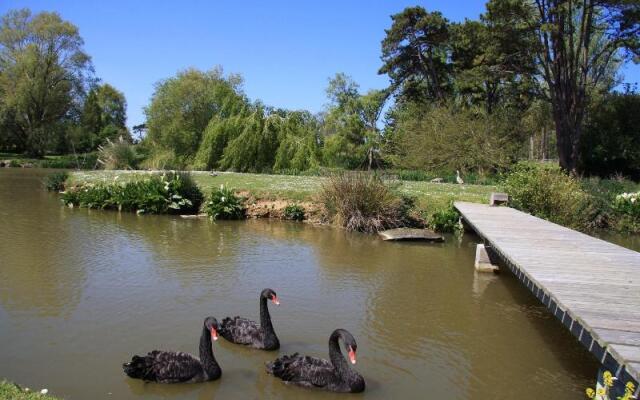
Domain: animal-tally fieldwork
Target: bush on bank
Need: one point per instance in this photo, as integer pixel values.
(172, 193)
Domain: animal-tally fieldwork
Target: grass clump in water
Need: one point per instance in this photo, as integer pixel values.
(224, 204)
(363, 202)
(173, 193)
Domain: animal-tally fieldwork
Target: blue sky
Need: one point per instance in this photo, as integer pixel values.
(285, 50)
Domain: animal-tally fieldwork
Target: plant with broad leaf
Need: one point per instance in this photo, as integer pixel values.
(224, 204)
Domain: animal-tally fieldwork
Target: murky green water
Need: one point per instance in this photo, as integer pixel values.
(81, 291)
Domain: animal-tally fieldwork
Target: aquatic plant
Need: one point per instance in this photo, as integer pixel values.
(224, 204)
(55, 182)
(294, 212)
(9, 390)
(170, 193)
(445, 220)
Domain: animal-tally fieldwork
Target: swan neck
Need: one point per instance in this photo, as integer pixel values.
(207, 358)
(336, 356)
(265, 317)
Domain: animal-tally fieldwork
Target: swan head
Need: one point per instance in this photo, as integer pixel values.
(271, 295)
(349, 342)
(212, 326)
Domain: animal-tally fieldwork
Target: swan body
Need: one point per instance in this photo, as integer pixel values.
(333, 375)
(247, 332)
(174, 367)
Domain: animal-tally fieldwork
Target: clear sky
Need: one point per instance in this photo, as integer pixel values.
(285, 50)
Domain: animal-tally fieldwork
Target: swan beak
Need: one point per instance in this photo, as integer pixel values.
(214, 334)
(275, 300)
(352, 356)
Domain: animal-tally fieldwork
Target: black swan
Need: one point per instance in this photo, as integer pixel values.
(174, 367)
(244, 331)
(334, 375)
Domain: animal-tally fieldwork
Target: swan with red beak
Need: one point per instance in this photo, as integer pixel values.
(333, 375)
(245, 331)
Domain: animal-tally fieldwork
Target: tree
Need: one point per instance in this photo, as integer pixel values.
(104, 116)
(415, 54)
(350, 124)
(181, 108)
(577, 42)
(43, 72)
(611, 138)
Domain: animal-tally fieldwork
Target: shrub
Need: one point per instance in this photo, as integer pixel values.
(627, 205)
(445, 220)
(544, 190)
(172, 193)
(119, 154)
(224, 204)
(362, 202)
(55, 182)
(294, 212)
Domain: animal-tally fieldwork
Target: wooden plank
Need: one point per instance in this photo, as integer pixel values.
(594, 282)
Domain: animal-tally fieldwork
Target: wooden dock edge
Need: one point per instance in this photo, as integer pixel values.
(596, 346)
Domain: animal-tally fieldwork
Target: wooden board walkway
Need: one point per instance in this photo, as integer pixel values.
(591, 285)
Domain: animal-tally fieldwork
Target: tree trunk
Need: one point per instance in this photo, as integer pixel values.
(568, 140)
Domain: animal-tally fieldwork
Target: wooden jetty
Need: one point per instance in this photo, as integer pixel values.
(590, 285)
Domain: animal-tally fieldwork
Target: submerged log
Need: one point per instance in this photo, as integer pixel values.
(411, 234)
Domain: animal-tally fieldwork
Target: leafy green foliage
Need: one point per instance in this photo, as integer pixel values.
(446, 220)
(182, 107)
(43, 70)
(448, 138)
(118, 154)
(547, 192)
(414, 53)
(11, 391)
(362, 202)
(55, 182)
(611, 139)
(103, 117)
(172, 193)
(224, 204)
(294, 212)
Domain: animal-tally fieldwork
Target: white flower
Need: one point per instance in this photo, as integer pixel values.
(222, 199)
(633, 200)
(44, 391)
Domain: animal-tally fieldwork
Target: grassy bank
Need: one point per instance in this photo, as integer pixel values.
(70, 161)
(11, 391)
(429, 196)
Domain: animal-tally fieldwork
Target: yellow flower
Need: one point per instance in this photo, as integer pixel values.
(629, 388)
(601, 392)
(608, 378)
(590, 393)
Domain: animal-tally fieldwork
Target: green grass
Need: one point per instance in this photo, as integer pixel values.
(10, 391)
(429, 196)
(65, 161)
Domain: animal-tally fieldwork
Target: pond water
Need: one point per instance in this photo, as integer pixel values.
(81, 291)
